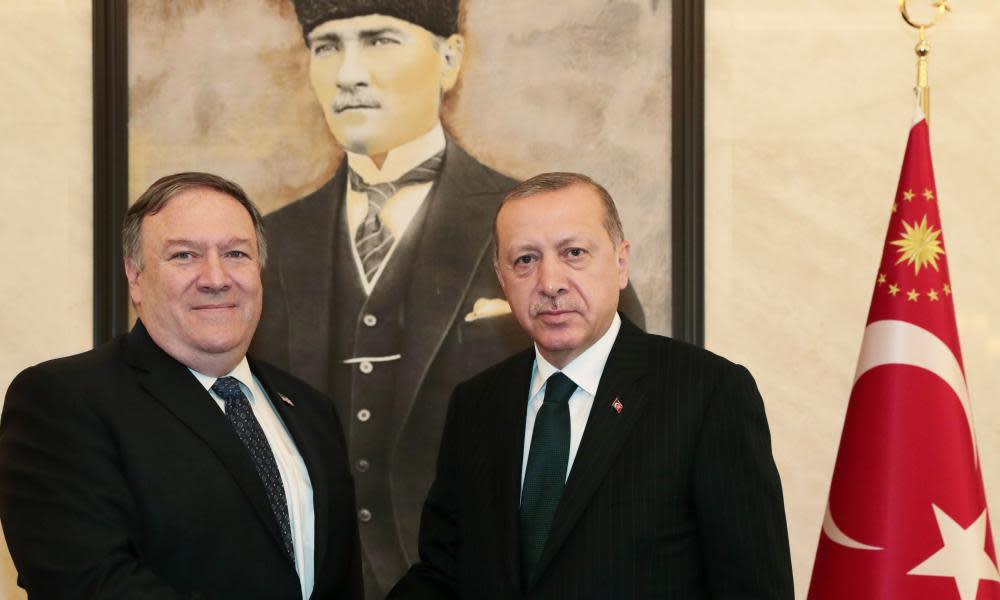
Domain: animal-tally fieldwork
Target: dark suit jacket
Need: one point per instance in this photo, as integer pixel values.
(121, 478)
(452, 268)
(677, 496)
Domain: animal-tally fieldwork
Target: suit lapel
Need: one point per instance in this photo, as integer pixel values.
(309, 258)
(445, 263)
(605, 435)
(315, 463)
(173, 386)
(512, 394)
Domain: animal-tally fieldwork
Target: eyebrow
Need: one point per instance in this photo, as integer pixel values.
(368, 34)
(364, 34)
(225, 244)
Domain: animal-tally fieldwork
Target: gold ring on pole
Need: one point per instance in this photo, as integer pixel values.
(941, 6)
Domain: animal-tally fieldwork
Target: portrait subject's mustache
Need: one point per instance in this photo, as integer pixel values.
(355, 100)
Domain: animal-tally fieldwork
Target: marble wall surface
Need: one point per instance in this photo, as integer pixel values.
(809, 105)
(46, 187)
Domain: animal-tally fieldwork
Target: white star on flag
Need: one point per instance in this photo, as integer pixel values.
(963, 556)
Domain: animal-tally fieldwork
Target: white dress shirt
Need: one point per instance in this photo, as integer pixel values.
(294, 476)
(399, 210)
(585, 371)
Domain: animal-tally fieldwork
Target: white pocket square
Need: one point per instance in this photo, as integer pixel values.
(486, 308)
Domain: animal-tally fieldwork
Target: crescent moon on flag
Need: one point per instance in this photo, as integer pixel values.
(892, 342)
(837, 536)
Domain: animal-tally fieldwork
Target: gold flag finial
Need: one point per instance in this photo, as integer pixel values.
(923, 89)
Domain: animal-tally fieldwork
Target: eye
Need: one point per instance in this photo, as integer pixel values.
(383, 40)
(325, 47)
(576, 252)
(237, 254)
(182, 255)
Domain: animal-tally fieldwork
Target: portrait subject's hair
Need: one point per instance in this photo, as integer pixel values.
(553, 182)
(440, 17)
(156, 197)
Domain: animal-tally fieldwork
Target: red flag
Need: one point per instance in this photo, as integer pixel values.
(907, 514)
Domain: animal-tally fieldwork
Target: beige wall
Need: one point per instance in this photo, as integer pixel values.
(808, 108)
(45, 184)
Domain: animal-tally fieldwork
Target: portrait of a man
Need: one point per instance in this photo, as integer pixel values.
(380, 186)
(381, 287)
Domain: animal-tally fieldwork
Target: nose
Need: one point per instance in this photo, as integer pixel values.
(213, 276)
(352, 72)
(552, 280)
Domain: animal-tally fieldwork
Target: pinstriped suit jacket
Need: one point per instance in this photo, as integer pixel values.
(677, 496)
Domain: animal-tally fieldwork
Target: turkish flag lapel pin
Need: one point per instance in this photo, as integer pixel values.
(618, 406)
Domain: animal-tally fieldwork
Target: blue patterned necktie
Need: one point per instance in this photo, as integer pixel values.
(248, 429)
(545, 475)
(373, 239)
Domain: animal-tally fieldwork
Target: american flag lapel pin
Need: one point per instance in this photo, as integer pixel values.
(286, 400)
(618, 406)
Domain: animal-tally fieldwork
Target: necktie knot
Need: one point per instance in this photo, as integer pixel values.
(559, 388)
(228, 388)
(379, 193)
(373, 239)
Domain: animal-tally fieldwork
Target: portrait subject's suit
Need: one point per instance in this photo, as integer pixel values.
(675, 496)
(120, 477)
(420, 325)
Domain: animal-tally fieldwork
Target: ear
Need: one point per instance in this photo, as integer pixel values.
(624, 262)
(496, 269)
(132, 272)
(452, 52)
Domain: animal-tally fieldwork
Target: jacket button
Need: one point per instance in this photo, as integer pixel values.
(362, 465)
(364, 515)
(369, 320)
(366, 367)
(364, 414)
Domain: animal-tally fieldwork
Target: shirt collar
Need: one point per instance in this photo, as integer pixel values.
(400, 160)
(241, 372)
(585, 370)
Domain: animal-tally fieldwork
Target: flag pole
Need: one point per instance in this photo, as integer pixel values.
(922, 49)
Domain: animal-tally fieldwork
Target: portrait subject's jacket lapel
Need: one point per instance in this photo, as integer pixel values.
(172, 385)
(446, 261)
(606, 432)
(312, 306)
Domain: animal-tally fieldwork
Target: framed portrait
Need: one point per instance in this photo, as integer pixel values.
(301, 101)
(613, 89)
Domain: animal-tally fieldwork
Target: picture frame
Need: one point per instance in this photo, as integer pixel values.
(684, 304)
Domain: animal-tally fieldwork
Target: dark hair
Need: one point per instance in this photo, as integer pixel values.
(553, 182)
(440, 17)
(155, 198)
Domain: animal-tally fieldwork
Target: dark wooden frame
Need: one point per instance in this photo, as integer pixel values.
(110, 38)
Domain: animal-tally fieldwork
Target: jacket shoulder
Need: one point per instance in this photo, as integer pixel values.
(304, 210)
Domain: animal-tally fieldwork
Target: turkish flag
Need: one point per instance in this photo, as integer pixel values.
(907, 515)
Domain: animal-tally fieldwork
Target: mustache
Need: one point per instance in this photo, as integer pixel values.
(355, 100)
(553, 304)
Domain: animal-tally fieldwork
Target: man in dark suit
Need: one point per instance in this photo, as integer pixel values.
(166, 464)
(381, 289)
(605, 462)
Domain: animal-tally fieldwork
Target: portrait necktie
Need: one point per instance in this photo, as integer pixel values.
(248, 430)
(545, 475)
(373, 239)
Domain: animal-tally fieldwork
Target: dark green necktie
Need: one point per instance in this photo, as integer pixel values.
(545, 475)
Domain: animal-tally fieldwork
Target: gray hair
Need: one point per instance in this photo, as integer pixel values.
(155, 198)
(553, 182)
